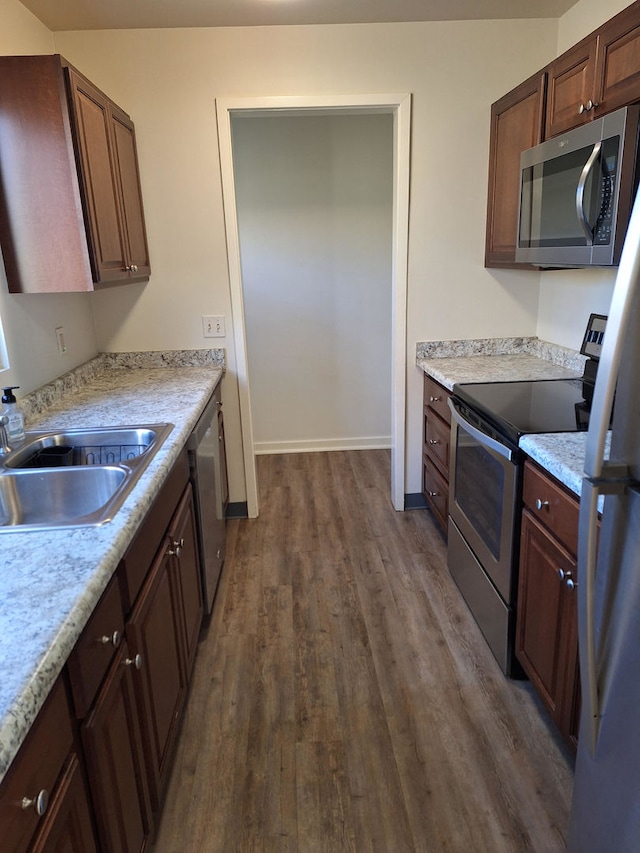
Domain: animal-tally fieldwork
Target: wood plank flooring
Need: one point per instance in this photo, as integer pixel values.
(343, 697)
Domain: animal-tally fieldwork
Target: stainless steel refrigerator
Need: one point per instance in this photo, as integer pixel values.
(605, 816)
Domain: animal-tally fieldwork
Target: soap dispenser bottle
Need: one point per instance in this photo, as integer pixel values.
(15, 418)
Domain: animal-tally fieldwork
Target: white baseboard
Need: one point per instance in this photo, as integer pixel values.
(376, 442)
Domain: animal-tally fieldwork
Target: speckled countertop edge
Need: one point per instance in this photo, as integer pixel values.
(52, 580)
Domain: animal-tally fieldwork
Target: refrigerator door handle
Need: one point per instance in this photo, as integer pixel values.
(627, 281)
(587, 553)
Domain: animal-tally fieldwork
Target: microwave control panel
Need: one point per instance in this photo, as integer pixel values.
(607, 189)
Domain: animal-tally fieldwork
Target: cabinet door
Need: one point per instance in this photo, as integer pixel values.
(184, 545)
(115, 767)
(128, 175)
(68, 827)
(516, 124)
(154, 632)
(618, 62)
(31, 781)
(546, 624)
(99, 181)
(571, 88)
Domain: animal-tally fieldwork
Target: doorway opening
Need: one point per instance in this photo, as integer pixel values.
(397, 106)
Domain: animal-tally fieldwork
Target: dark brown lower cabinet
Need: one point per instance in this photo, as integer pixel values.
(44, 805)
(113, 749)
(154, 632)
(546, 634)
(68, 825)
(184, 547)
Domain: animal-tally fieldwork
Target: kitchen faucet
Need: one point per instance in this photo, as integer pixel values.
(4, 438)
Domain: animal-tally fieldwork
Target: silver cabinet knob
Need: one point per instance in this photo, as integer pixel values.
(218, 553)
(435, 399)
(434, 494)
(581, 109)
(540, 503)
(134, 268)
(567, 579)
(434, 441)
(38, 803)
(178, 545)
(114, 639)
(136, 661)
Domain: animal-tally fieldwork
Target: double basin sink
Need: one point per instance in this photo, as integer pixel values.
(75, 477)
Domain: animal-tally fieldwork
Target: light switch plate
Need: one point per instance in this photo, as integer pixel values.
(213, 326)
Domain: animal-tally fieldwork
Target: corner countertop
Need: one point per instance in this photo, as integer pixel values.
(51, 580)
(509, 360)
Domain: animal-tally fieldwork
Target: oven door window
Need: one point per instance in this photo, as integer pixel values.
(480, 490)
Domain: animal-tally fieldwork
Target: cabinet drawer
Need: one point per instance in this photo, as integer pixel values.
(96, 648)
(552, 505)
(35, 769)
(435, 397)
(436, 491)
(437, 434)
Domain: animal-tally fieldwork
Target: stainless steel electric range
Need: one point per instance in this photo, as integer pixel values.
(486, 464)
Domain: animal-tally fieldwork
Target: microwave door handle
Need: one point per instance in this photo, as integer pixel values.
(586, 171)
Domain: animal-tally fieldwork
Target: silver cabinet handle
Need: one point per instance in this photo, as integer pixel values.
(134, 268)
(114, 639)
(434, 494)
(435, 399)
(39, 803)
(434, 441)
(178, 545)
(136, 661)
(540, 503)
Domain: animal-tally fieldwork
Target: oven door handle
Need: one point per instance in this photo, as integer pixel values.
(478, 434)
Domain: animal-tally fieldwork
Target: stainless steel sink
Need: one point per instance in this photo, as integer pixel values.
(108, 446)
(74, 478)
(60, 496)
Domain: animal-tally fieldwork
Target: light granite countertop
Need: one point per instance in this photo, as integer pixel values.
(51, 580)
(493, 368)
(561, 454)
(512, 360)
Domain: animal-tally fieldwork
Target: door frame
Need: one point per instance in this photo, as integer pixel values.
(399, 105)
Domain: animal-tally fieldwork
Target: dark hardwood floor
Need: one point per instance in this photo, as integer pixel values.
(343, 697)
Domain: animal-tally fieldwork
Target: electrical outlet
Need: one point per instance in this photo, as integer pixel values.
(61, 339)
(213, 326)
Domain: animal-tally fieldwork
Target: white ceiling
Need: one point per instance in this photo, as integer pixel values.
(136, 14)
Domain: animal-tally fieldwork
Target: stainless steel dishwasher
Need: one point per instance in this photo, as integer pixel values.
(209, 476)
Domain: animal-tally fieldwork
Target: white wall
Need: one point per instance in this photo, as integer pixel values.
(30, 321)
(314, 198)
(567, 297)
(168, 80)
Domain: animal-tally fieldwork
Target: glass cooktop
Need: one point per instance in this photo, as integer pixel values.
(518, 408)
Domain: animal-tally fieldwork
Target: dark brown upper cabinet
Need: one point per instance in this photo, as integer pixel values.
(599, 75)
(517, 121)
(71, 214)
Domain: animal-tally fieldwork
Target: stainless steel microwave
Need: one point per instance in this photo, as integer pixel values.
(576, 191)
